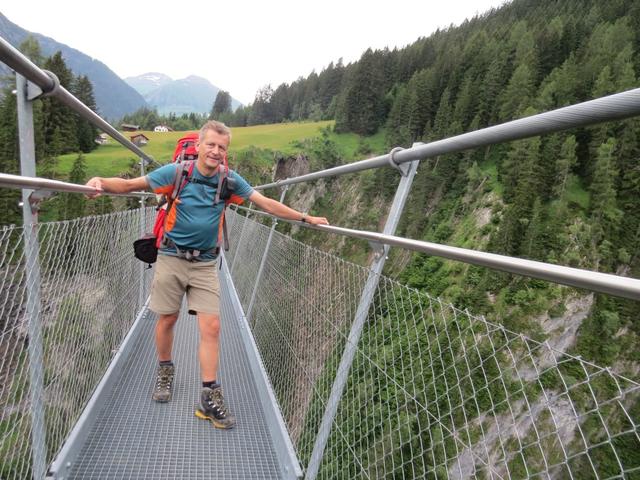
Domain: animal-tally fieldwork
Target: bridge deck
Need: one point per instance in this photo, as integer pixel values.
(134, 437)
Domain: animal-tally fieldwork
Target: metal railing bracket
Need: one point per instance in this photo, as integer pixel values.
(403, 168)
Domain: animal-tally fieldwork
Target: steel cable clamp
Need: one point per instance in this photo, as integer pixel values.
(402, 168)
(34, 91)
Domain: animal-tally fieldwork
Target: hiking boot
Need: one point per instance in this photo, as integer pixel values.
(164, 382)
(212, 408)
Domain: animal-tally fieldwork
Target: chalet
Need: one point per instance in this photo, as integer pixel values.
(126, 127)
(162, 128)
(139, 139)
(101, 139)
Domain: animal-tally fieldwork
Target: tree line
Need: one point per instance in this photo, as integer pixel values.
(148, 118)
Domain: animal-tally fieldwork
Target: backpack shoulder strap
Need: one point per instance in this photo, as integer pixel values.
(184, 170)
(223, 172)
(183, 174)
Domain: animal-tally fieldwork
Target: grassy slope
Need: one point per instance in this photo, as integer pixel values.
(112, 159)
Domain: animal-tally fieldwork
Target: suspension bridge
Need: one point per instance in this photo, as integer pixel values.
(334, 370)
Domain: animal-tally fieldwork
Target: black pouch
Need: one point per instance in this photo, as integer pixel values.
(145, 249)
(228, 187)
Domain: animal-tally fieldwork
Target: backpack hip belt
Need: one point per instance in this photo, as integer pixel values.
(189, 254)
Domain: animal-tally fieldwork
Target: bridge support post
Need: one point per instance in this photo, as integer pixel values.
(408, 173)
(141, 296)
(264, 259)
(25, 93)
(235, 256)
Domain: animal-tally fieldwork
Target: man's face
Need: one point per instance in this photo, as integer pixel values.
(212, 148)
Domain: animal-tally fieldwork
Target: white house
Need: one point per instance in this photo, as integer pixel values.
(162, 128)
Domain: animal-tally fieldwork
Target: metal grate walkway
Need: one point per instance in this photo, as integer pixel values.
(134, 437)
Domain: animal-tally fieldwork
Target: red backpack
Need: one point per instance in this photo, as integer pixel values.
(185, 155)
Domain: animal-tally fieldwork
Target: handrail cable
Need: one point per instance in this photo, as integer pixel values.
(45, 184)
(612, 107)
(49, 85)
(600, 282)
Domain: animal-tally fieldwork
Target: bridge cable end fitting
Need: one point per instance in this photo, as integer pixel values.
(34, 91)
(403, 169)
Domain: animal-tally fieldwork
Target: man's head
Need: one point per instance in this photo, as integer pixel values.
(213, 142)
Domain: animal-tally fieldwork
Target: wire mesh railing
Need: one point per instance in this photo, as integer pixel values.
(433, 392)
(89, 294)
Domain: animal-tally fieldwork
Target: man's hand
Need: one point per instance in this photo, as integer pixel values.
(316, 220)
(95, 182)
(116, 185)
(281, 210)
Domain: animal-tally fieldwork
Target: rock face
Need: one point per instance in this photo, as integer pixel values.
(289, 167)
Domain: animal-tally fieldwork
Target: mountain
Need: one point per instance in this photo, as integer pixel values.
(187, 95)
(113, 95)
(148, 82)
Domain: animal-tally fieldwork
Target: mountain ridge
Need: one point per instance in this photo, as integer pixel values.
(114, 97)
(185, 95)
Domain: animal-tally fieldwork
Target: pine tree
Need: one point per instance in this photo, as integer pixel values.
(85, 131)
(222, 104)
(280, 104)
(9, 157)
(492, 84)
(600, 133)
(397, 131)
(261, 110)
(605, 215)
(443, 117)
(363, 109)
(517, 95)
(59, 120)
(566, 161)
(73, 205)
(607, 39)
(562, 86)
(422, 86)
(465, 102)
(330, 82)
(533, 244)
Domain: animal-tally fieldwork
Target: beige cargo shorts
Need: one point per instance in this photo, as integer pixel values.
(175, 276)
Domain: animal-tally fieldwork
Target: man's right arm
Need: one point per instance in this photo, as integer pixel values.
(118, 185)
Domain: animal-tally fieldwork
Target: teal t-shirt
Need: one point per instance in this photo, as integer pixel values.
(197, 218)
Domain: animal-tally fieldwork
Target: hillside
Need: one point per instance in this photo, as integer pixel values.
(571, 198)
(113, 159)
(113, 96)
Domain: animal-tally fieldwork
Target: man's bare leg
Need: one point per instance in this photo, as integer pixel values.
(164, 335)
(208, 350)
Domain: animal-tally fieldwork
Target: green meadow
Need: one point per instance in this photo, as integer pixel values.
(112, 158)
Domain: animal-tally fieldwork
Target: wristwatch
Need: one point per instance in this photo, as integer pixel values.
(304, 217)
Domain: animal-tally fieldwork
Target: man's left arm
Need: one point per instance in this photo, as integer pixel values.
(281, 210)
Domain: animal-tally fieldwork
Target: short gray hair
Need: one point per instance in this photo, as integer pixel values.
(216, 126)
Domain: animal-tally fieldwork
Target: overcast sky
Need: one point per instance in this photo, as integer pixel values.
(237, 45)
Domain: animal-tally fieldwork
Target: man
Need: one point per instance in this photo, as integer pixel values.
(186, 264)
